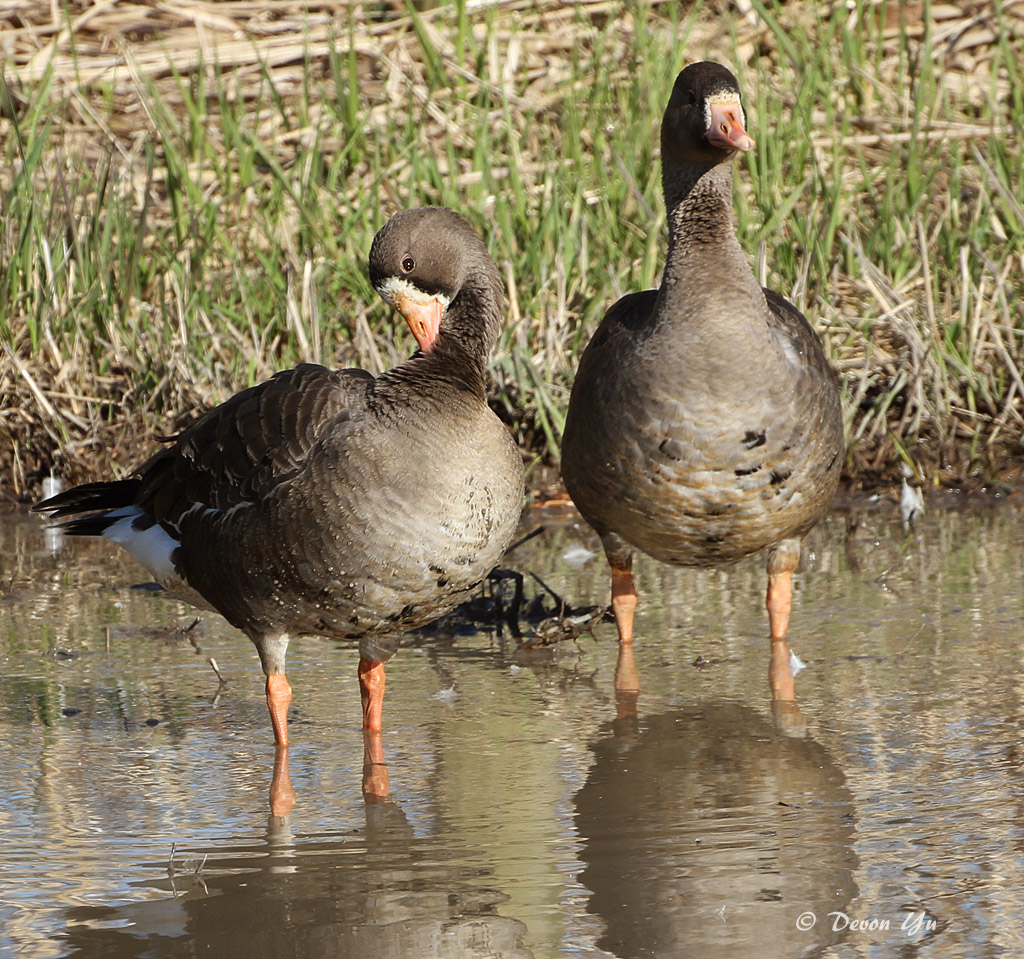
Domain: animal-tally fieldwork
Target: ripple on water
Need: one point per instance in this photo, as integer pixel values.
(525, 819)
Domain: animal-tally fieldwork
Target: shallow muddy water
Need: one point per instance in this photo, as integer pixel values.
(884, 817)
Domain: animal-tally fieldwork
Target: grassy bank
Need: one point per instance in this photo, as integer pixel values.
(187, 197)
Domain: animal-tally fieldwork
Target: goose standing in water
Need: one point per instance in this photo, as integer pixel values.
(333, 502)
(704, 423)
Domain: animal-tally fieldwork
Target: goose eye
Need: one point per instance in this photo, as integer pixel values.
(691, 97)
(408, 263)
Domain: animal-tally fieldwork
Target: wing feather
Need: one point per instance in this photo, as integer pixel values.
(240, 451)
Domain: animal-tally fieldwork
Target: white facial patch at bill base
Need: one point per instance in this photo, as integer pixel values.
(397, 288)
(725, 96)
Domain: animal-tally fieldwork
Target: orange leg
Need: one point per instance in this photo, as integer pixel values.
(282, 795)
(371, 689)
(279, 698)
(627, 678)
(780, 598)
(623, 601)
(376, 784)
(627, 682)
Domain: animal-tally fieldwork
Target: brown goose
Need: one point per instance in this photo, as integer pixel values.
(704, 423)
(331, 502)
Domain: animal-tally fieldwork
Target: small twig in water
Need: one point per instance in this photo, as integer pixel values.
(519, 542)
(917, 632)
(216, 669)
(511, 617)
(562, 605)
(196, 867)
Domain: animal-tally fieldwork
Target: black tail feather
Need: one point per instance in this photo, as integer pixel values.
(88, 525)
(87, 498)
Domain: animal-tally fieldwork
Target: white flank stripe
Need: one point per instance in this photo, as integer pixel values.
(152, 547)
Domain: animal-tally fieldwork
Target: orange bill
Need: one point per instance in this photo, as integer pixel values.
(726, 130)
(423, 317)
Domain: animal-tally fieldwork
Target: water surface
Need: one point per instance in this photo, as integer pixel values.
(527, 815)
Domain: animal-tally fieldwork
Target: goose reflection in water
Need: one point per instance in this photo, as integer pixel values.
(708, 832)
(382, 891)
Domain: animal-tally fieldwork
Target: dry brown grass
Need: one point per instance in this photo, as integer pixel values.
(142, 107)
